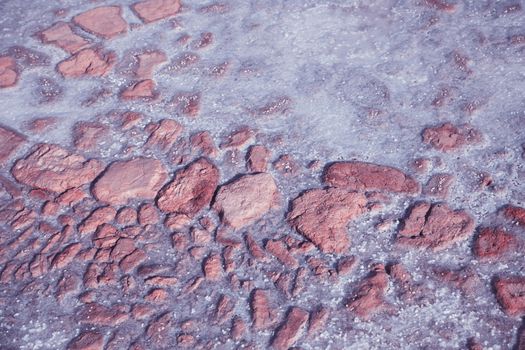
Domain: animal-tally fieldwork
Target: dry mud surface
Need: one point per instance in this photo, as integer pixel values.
(262, 174)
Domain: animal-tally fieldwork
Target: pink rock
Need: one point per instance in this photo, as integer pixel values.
(98, 314)
(154, 10)
(87, 135)
(105, 22)
(212, 267)
(50, 167)
(510, 292)
(262, 314)
(87, 341)
(164, 134)
(322, 216)
(245, 200)
(10, 142)
(290, 331)
(361, 176)
(144, 89)
(238, 138)
(147, 62)
(8, 72)
(257, 158)
(493, 243)
(369, 295)
(87, 62)
(514, 213)
(435, 226)
(61, 35)
(448, 137)
(203, 142)
(191, 190)
(139, 178)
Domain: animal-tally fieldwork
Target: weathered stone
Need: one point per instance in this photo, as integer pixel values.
(448, 137)
(87, 341)
(262, 314)
(154, 10)
(144, 89)
(493, 243)
(290, 331)
(164, 134)
(10, 142)
(369, 295)
(105, 21)
(61, 35)
(510, 292)
(87, 62)
(8, 72)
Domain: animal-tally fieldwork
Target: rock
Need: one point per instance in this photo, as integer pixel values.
(278, 249)
(164, 134)
(66, 256)
(515, 214)
(213, 267)
(465, 279)
(290, 331)
(318, 319)
(105, 21)
(275, 106)
(369, 295)
(361, 176)
(438, 185)
(132, 260)
(448, 137)
(257, 158)
(322, 215)
(8, 72)
(246, 199)
(147, 61)
(52, 168)
(203, 142)
(408, 290)
(140, 178)
(286, 165)
(61, 35)
(187, 103)
(10, 142)
(510, 292)
(159, 329)
(238, 138)
(99, 216)
(87, 62)
(154, 10)
(87, 341)
(100, 315)
(238, 328)
(263, 316)
(143, 89)
(148, 214)
(41, 125)
(191, 190)
(493, 243)
(224, 309)
(88, 135)
(434, 226)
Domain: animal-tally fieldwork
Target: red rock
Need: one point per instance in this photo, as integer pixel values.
(153, 10)
(257, 158)
(263, 316)
(71, 197)
(148, 214)
(360, 176)
(164, 134)
(286, 165)
(187, 103)
(40, 125)
(66, 256)
(224, 309)
(246, 199)
(8, 72)
(147, 61)
(204, 143)
(323, 215)
(409, 291)
(438, 185)
(290, 331)
(465, 279)
(144, 89)
(87, 62)
(510, 292)
(133, 260)
(346, 265)
(10, 142)
(142, 311)
(98, 217)
(68, 284)
(213, 267)
(105, 22)
(123, 248)
(88, 135)
(87, 341)
(238, 138)
(52, 168)
(130, 120)
(158, 330)
(238, 328)
(139, 178)
(279, 250)
(448, 137)
(100, 315)
(435, 226)
(493, 243)
(186, 340)
(191, 190)
(61, 35)
(157, 295)
(318, 319)
(126, 216)
(515, 214)
(369, 295)
(162, 281)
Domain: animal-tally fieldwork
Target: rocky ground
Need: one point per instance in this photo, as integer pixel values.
(262, 174)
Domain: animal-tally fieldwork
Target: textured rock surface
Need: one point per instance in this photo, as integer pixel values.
(154, 10)
(10, 142)
(61, 35)
(104, 21)
(8, 72)
(510, 292)
(448, 137)
(86, 62)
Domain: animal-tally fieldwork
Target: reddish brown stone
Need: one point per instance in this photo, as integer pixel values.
(286, 165)
(224, 309)
(515, 214)
(323, 215)
(346, 265)
(279, 250)
(154, 10)
(148, 214)
(205, 39)
(238, 328)
(435, 226)
(147, 61)
(139, 178)
(510, 292)
(100, 315)
(263, 316)
(245, 200)
(61, 35)
(438, 185)
(133, 260)
(203, 142)
(290, 331)
(130, 120)
(98, 217)
(71, 197)
(360, 176)
(144, 89)
(493, 243)
(238, 138)
(87, 62)
(212, 267)
(87, 341)
(368, 298)
(123, 248)
(8, 72)
(50, 167)
(10, 142)
(105, 22)
(142, 311)
(68, 284)
(157, 295)
(159, 329)
(126, 216)
(66, 256)
(448, 137)
(191, 189)
(318, 319)
(88, 135)
(257, 158)
(164, 134)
